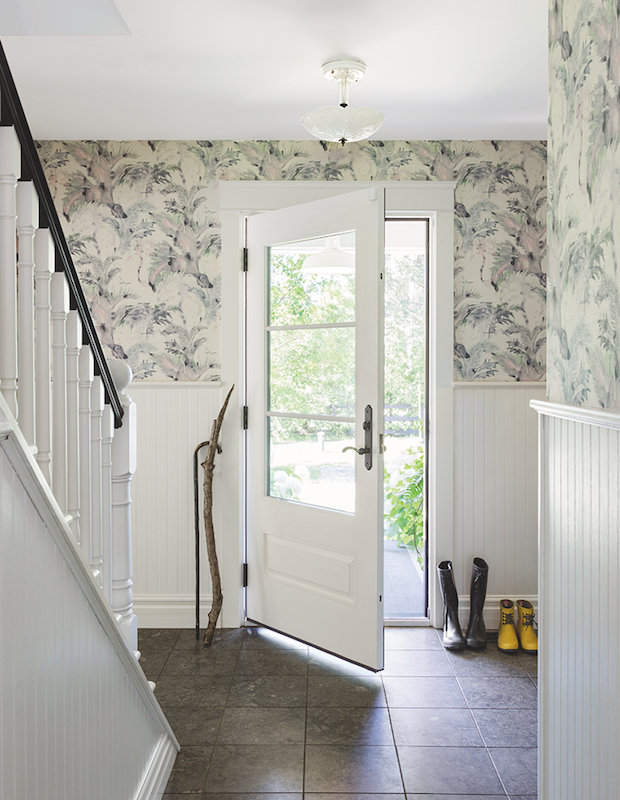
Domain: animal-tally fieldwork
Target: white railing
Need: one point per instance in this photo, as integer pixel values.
(47, 379)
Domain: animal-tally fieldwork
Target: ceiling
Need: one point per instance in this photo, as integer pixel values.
(248, 69)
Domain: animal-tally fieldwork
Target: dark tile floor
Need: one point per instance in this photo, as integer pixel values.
(261, 717)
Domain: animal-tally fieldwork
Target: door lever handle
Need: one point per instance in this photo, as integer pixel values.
(367, 449)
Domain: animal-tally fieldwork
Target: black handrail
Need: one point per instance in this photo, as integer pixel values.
(13, 114)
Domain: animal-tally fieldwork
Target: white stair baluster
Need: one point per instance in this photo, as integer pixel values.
(27, 224)
(74, 345)
(87, 374)
(107, 429)
(9, 173)
(123, 468)
(60, 309)
(43, 269)
(95, 477)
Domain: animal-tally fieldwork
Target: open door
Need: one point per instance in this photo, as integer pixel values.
(315, 423)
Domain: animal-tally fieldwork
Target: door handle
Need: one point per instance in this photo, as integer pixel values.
(367, 449)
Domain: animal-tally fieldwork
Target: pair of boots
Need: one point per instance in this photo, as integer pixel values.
(476, 636)
(511, 634)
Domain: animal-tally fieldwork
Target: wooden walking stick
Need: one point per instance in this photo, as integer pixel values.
(208, 466)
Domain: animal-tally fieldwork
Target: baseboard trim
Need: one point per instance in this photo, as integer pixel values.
(492, 610)
(158, 771)
(169, 610)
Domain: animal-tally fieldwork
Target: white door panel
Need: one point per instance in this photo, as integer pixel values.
(316, 572)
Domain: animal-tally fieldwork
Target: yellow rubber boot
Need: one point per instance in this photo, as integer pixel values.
(525, 626)
(507, 635)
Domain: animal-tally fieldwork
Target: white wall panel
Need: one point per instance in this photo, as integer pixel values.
(173, 419)
(78, 718)
(579, 595)
(496, 490)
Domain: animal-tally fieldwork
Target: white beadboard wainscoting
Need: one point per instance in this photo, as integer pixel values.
(173, 419)
(495, 496)
(496, 491)
(579, 702)
(79, 719)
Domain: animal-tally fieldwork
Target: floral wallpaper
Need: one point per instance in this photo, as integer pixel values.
(143, 224)
(584, 205)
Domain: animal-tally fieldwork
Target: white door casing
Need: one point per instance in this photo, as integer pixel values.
(314, 572)
(434, 200)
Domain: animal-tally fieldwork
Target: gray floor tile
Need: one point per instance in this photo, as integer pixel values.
(343, 692)
(486, 663)
(529, 662)
(423, 693)
(508, 727)
(351, 726)
(182, 796)
(341, 768)
(435, 727)
(518, 769)
(254, 796)
(153, 662)
(269, 691)
(259, 661)
(190, 770)
(223, 638)
(194, 726)
(442, 796)
(356, 796)
(157, 638)
(448, 770)
(262, 726)
(193, 690)
(262, 637)
(411, 639)
(201, 662)
(417, 663)
(320, 663)
(499, 692)
(255, 768)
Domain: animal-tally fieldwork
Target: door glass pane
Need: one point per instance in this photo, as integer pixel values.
(307, 464)
(313, 371)
(313, 282)
(405, 400)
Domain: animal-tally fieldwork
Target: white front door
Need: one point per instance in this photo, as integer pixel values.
(314, 387)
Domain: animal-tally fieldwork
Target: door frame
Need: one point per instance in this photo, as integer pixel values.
(433, 199)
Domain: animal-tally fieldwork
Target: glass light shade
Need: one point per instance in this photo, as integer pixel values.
(335, 124)
(331, 261)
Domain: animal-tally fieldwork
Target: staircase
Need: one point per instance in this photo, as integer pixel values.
(79, 719)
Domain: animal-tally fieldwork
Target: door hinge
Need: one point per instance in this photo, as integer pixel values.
(245, 418)
(245, 575)
(245, 259)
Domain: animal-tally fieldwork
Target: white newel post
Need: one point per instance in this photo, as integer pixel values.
(9, 174)
(107, 429)
(74, 345)
(43, 269)
(124, 449)
(97, 401)
(27, 224)
(60, 309)
(87, 374)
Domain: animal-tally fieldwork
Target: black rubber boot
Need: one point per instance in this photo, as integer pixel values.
(452, 634)
(476, 637)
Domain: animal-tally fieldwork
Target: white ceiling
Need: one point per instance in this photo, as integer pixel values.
(248, 69)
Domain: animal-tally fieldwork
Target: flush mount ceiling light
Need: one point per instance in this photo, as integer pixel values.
(333, 260)
(342, 123)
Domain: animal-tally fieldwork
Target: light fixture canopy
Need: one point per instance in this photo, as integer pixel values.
(342, 123)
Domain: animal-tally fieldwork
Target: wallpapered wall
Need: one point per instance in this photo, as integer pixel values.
(584, 203)
(143, 224)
